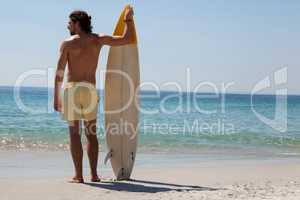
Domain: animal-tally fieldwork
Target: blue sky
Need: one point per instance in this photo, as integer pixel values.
(220, 41)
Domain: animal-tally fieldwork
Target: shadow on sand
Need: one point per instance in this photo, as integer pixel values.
(148, 186)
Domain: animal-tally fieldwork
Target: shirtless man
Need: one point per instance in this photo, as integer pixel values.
(80, 100)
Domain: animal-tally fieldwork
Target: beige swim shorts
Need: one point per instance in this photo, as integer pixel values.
(80, 101)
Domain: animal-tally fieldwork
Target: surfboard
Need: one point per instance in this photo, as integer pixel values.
(121, 107)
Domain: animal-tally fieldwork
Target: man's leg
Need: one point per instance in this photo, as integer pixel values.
(92, 148)
(76, 150)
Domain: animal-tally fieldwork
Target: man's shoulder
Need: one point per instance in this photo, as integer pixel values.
(68, 41)
(100, 34)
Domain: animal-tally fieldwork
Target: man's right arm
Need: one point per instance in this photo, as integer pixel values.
(61, 65)
(126, 38)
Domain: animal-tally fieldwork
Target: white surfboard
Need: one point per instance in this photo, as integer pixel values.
(122, 104)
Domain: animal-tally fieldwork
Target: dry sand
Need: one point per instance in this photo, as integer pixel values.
(209, 180)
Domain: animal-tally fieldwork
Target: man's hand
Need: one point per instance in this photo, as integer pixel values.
(57, 105)
(127, 35)
(129, 14)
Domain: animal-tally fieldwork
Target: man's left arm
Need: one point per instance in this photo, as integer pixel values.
(61, 65)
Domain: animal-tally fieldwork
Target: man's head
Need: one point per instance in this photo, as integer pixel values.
(80, 21)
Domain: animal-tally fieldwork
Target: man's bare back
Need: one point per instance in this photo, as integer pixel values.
(83, 55)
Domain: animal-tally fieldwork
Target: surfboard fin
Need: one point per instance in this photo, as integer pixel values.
(121, 175)
(108, 156)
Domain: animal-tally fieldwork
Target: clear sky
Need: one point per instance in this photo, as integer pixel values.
(219, 40)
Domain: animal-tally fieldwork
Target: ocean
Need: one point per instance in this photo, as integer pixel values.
(169, 122)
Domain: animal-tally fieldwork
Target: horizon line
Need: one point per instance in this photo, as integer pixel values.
(232, 92)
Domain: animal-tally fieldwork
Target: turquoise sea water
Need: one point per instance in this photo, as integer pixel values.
(177, 122)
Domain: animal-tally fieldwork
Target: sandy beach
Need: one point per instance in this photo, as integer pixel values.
(44, 175)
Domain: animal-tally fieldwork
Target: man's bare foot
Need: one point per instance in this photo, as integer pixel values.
(76, 180)
(95, 179)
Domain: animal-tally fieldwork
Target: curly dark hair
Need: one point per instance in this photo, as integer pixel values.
(84, 20)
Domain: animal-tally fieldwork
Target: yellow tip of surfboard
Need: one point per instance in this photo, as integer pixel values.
(127, 6)
(119, 30)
